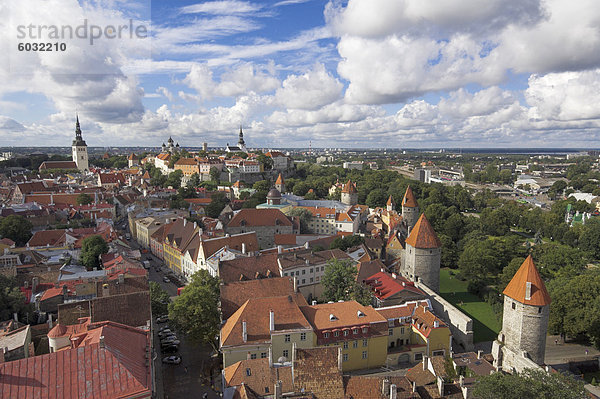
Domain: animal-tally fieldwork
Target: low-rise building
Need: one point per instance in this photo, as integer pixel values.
(266, 223)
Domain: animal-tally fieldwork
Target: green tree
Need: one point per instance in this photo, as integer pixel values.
(344, 243)
(194, 181)
(215, 174)
(196, 310)
(339, 280)
(84, 199)
(11, 298)
(17, 228)
(575, 309)
(590, 238)
(262, 185)
(266, 162)
(531, 383)
(91, 248)
(376, 198)
(217, 203)
(555, 259)
(159, 299)
(304, 215)
(174, 179)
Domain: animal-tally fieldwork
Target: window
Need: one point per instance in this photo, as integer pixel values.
(263, 355)
(266, 389)
(303, 271)
(336, 333)
(285, 353)
(318, 278)
(391, 331)
(297, 272)
(365, 342)
(326, 335)
(513, 305)
(390, 322)
(345, 357)
(303, 281)
(322, 268)
(438, 353)
(345, 345)
(284, 274)
(539, 310)
(364, 355)
(418, 357)
(345, 333)
(303, 336)
(311, 279)
(355, 344)
(248, 372)
(365, 330)
(355, 331)
(287, 338)
(311, 270)
(253, 356)
(401, 330)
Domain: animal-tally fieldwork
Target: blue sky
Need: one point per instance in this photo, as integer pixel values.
(357, 73)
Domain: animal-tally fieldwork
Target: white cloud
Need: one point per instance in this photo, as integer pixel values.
(225, 7)
(309, 91)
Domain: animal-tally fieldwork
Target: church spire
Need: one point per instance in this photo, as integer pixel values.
(241, 140)
(77, 129)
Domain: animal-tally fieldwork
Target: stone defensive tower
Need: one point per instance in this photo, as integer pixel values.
(391, 205)
(79, 149)
(410, 209)
(526, 313)
(349, 194)
(422, 255)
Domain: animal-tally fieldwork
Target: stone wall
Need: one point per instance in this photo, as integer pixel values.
(460, 324)
(410, 216)
(423, 265)
(525, 327)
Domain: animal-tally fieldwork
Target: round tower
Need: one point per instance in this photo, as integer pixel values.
(349, 194)
(422, 255)
(390, 204)
(410, 209)
(274, 197)
(526, 313)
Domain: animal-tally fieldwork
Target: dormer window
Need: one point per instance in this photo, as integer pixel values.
(360, 313)
(242, 222)
(331, 315)
(326, 335)
(355, 331)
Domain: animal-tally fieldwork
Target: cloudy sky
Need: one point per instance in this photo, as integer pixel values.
(357, 73)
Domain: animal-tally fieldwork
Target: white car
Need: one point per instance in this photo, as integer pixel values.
(172, 359)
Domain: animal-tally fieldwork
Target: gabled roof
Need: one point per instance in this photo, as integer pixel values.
(346, 315)
(259, 217)
(58, 165)
(423, 235)
(409, 199)
(385, 286)
(249, 268)
(349, 188)
(390, 201)
(261, 376)
(279, 179)
(255, 312)
(186, 161)
(517, 288)
(47, 237)
(132, 157)
(235, 241)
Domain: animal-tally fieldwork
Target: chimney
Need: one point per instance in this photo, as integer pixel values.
(121, 278)
(414, 386)
(271, 320)
(244, 331)
(385, 386)
(382, 270)
(306, 245)
(16, 316)
(295, 284)
(102, 342)
(279, 249)
(393, 391)
(394, 276)
(479, 353)
(184, 222)
(244, 248)
(314, 302)
(461, 381)
(50, 321)
(1, 355)
(277, 391)
(528, 290)
(425, 362)
(293, 352)
(340, 358)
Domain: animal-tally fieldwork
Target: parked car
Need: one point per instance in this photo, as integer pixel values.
(172, 359)
(163, 328)
(168, 337)
(166, 279)
(170, 342)
(170, 348)
(165, 332)
(162, 319)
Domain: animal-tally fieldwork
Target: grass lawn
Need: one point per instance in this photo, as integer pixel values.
(589, 376)
(485, 324)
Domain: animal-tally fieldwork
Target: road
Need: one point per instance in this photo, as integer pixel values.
(191, 378)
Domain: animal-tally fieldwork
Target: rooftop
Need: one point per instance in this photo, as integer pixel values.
(527, 286)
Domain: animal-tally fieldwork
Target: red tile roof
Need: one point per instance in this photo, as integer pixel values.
(249, 268)
(118, 370)
(259, 217)
(235, 241)
(517, 288)
(385, 285)
(349, 188)
(47, 237)
(423, 235)
(279, 179)
(390, 201)
(409, 199)
(58, 165)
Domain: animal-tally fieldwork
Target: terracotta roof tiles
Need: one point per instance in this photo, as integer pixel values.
(517, 289)
(259, 217)
(423, 236)
(409, 199)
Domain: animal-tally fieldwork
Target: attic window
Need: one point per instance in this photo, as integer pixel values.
(243, 222)
(332, 317)
(248, 372)
(360, 313)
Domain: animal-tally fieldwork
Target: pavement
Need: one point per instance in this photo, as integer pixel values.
(564, 352)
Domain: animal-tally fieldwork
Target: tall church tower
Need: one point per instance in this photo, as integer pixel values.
(526, 314)
(79, 148)
(422, 255)
(410, 209)
(241, 143)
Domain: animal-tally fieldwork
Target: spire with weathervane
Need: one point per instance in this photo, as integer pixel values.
(79, 149)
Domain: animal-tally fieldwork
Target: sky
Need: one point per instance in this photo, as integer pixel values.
(343, 74)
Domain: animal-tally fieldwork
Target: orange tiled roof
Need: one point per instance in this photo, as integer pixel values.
(279, 179)
(346, 315)
(409, 199)
(259, 217)
(423, 235)
(349, 188)
(517, 287)
(390, 201)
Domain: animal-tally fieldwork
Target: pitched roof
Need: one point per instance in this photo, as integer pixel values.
(132, 157)
(349, 188)
(116, 371)
(58, 165)
(259, 217)
(390, 201)
(261, 376)
(346, 314)
(425, 321)
(235, 294)
(385, 286)
(249, 268)
(370, 387)
(235, 241)
(316, 370)
(409, 199)
(47, 237)
(186, 161)
(256, 313)
(367, 269)
(423, 235)
(308, 257)
(279, 179)
(517, 288)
